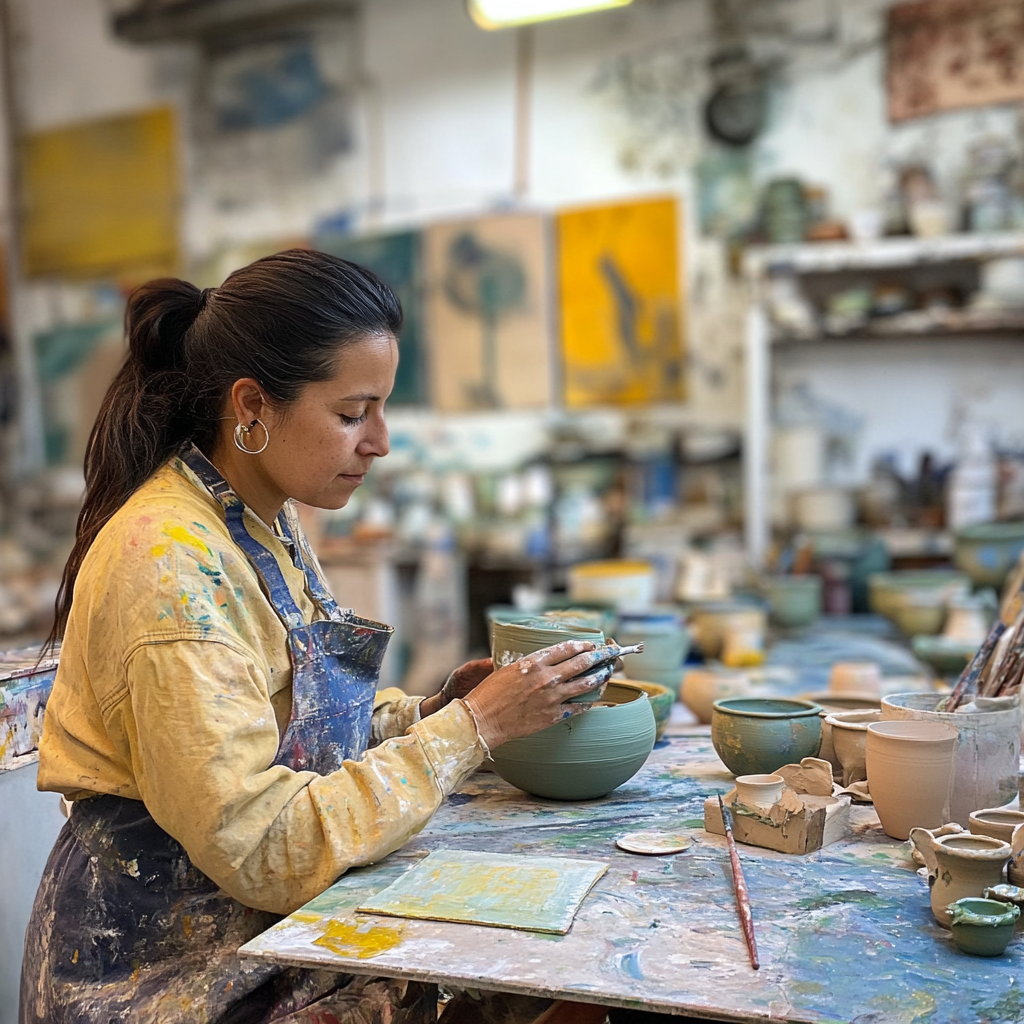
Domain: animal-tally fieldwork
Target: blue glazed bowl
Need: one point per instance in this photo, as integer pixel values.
(757, 736)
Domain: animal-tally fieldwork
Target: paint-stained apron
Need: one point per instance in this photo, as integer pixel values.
(126, 928)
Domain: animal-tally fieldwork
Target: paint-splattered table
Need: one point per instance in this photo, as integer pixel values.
(845, 934)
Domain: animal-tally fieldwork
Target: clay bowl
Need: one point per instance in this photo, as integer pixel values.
(586, 756)
(511, 641)
(849, 732)
(794, 602)
(833, 702)
(703, 686)
(757, 736)
(982, 927)
(662, 698)
(996, 822)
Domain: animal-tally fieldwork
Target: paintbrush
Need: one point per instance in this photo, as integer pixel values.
(739, 885)
(615, 651)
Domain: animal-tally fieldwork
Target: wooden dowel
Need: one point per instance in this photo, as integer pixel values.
(739, 885)
(972, 673)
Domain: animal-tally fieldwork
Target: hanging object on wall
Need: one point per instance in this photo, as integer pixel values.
(620, 296)
(396, 260)
(948, 54)
(101, 198)
(736, 109)
(489, 312)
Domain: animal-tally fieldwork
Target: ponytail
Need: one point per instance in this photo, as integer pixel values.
(281, 321)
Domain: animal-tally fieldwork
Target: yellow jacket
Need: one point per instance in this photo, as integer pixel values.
(174, 688)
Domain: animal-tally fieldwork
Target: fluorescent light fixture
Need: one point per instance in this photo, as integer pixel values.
(492, 14)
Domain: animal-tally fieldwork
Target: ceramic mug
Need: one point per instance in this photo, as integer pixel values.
(759, 791)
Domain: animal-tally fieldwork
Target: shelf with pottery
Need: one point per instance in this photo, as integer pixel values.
(781, 323)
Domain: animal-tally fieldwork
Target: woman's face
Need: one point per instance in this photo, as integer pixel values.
(322, 445)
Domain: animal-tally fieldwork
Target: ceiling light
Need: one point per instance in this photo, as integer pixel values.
(491, 14)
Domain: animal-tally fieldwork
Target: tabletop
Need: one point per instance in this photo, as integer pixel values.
(844, 934)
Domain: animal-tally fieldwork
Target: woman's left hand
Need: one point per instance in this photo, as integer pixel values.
(460, 683)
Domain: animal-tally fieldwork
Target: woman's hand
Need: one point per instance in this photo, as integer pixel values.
(459, 684)
(530, 694)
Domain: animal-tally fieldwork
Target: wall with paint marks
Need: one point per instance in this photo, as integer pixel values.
(615, 112)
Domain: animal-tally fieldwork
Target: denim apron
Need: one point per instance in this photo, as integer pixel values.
(126, 928)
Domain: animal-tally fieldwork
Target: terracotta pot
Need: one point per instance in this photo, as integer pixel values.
(759, 791)
(959, 867)
(849, 732)
(703, 686)
(982, 927)
(910, 767)
(586, 756)
(996, 822)
(757, 736)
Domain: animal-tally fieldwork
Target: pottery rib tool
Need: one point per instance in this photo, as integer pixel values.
(739, 885)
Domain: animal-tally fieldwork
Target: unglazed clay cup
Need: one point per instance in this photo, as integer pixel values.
(586, 756)
(703, 686)
(910, 768)
(757, 736)
(849, 732)
(982, 927)
(759, 791)
(996, 822)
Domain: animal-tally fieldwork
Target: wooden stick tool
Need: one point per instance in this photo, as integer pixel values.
(739, 885)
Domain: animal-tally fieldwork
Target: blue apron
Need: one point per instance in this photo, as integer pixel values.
(126, 928)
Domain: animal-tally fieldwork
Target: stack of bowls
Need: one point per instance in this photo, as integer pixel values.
(666, 642)
(511, 641)
(586, 756)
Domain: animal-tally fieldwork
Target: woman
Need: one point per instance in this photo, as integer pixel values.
(211, 720)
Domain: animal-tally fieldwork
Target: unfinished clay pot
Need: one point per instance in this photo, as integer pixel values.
(910, 766)
(959, 867)
(996, 822)
(759, 791)
(1015, 869)
(849, 732)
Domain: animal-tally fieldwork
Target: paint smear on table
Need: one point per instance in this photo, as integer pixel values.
(539, 894)
(361, 940)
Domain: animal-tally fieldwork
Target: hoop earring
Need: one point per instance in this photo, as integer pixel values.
(242, 431)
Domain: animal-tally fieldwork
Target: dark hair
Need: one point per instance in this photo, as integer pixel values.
(280, 320)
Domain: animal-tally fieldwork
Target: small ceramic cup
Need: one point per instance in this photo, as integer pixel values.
(849, 732)
(982, 927)
(759, 791)
(996, 822)
(856, 677)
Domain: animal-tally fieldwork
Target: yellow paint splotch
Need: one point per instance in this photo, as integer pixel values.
(361, 940)
(179, 535)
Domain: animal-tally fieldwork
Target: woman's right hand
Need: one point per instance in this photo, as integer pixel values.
(530, 694)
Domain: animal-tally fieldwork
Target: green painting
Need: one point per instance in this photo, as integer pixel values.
(395, 259)
(538, 894)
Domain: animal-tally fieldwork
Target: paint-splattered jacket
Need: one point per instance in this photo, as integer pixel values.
(174, 688)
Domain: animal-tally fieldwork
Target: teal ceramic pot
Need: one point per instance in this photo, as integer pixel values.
(989, 551)
(662, 698)
(794, 601)
(757, 736)
(586, 756)
(982, 927)
(511, 641)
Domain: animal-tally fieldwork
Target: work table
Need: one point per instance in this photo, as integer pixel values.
(844, 934)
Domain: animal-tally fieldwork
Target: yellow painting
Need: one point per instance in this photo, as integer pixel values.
(488, 313)
(100, 199)
(619, 276)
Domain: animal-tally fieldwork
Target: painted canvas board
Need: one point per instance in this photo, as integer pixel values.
(622, 340)
(396, 260)
(947, 54)
(489, 313)
(101, 197)
(539, 894)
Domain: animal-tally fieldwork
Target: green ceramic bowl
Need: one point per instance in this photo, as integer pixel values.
(982, 927)
(757, 736)
(662, 698)
(948, 657)
(511, 641)
(794, 601)
(586, 756)
(989, 551)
